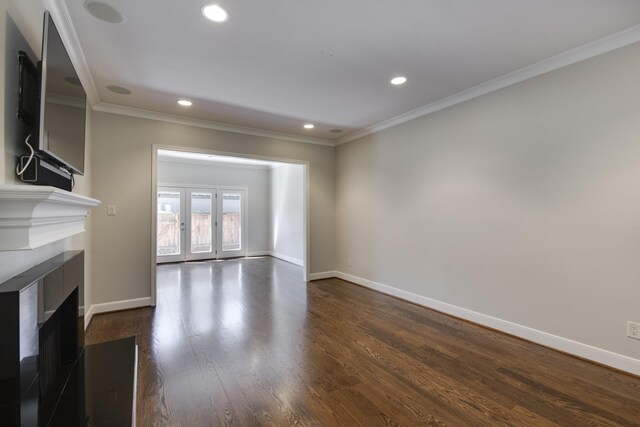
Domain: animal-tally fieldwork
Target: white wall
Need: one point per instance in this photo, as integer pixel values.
(21, 29)
(523, 204)
(287, 213)
(122, 159)
(256, 180)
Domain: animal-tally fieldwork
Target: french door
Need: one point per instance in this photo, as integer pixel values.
(200, 223)
(171, 224)
(230, 217)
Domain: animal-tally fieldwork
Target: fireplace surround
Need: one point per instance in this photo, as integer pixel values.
(47, 375)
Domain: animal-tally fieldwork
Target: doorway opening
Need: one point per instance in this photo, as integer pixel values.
(211, 206)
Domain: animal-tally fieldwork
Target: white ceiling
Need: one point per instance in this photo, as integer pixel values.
(263, 68)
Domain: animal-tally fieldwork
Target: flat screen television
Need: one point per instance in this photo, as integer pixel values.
(63, 101)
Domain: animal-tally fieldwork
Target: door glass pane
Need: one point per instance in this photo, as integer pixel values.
(231, 220)
(200, 223)
(168, 223)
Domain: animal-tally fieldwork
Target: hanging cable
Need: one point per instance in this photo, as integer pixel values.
(24, 168)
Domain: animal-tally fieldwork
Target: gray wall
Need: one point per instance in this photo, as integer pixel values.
(287, 212)
(122, 158)
(257, 183)
(523, 204)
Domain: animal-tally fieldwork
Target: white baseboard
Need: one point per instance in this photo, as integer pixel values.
(107, 307)
(287, 258)
(323, 275)
(259, 253)
(277, 255)
(585, 351)
(88, 314)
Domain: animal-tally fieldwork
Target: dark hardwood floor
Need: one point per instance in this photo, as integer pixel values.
(247, 342)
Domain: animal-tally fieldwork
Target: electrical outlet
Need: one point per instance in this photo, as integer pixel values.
(111, 210)
(633, 330)
(348, 262)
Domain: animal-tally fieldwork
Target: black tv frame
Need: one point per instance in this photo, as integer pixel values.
(28, 76)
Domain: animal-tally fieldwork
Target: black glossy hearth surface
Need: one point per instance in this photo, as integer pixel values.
(100, 391)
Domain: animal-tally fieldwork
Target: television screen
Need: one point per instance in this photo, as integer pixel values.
(62, 103)
(28, 87)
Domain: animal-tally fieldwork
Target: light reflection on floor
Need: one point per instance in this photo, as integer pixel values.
(216, 300)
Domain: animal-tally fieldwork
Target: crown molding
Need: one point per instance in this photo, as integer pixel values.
(172, 118)
(598, 47)
(60, 13)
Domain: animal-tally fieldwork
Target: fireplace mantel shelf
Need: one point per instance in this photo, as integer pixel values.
(32, 216)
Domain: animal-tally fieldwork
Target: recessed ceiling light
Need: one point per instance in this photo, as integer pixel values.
(309, 126)
(185, 103)
(103, 12)
(398, 80)
(119, 90)
(215, 13)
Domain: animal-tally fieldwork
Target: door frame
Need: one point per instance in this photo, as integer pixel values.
(154, 205)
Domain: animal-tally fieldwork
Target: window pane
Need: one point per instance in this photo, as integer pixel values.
(231, 220)
(201, 223)
(168, 223)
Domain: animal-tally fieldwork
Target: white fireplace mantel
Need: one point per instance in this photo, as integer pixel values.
(32, 216)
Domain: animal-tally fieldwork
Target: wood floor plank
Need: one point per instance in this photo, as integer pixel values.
(247, 342)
